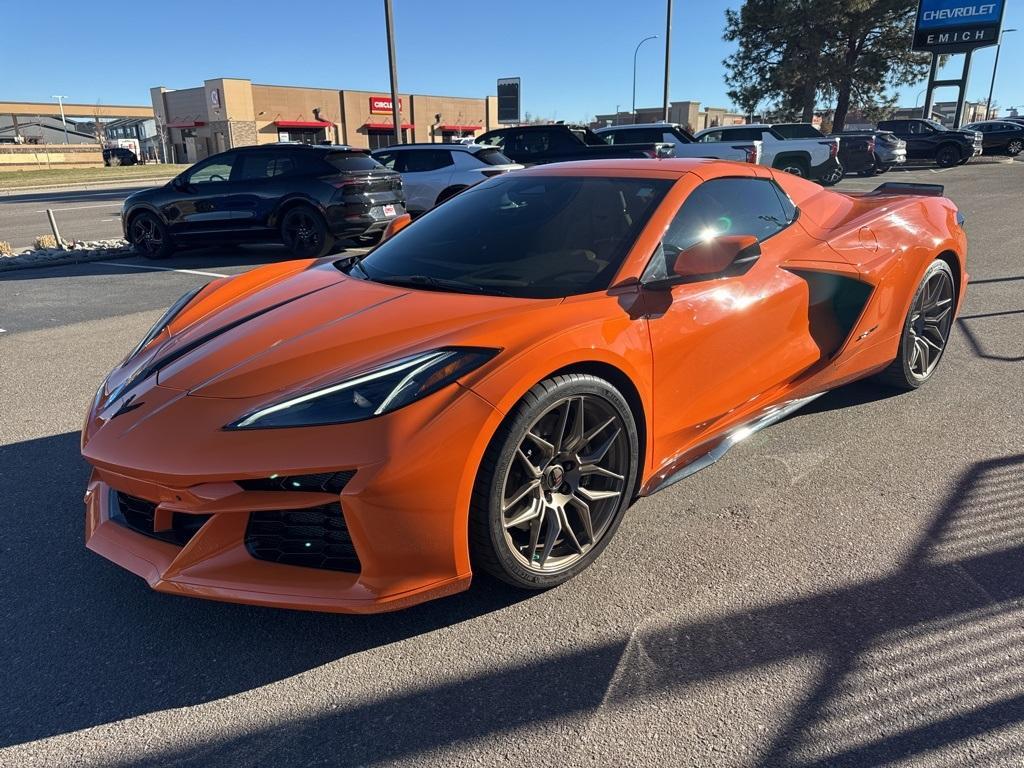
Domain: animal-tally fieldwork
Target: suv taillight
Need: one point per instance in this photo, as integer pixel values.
(750, 153)
(349, 187)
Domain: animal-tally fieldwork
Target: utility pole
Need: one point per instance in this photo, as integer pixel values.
(60, 101)
(995, 66)
(635, 52)
(668, 48)
(396, 108)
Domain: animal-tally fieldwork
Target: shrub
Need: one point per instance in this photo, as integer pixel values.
(45, 241)
(5, 248)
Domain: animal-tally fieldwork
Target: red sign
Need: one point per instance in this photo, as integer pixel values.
(381, 105)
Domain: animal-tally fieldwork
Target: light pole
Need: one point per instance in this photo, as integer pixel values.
(60, 101)
(918, 98)
(995, 66)
(668, 47)
(635, 52)
(396, 107)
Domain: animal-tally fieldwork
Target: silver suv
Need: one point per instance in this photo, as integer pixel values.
(432, 173)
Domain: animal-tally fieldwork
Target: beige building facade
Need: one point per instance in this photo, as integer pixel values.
(232, 112)
(685, 113)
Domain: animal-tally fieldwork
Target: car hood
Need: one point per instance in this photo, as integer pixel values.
(315, 326)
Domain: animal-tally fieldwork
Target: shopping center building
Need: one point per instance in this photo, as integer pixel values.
(233, 112)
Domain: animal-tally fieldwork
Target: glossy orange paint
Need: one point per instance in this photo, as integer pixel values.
(695, 361)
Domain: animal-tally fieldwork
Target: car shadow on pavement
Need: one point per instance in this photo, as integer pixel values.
(925, 659)
(146, 651)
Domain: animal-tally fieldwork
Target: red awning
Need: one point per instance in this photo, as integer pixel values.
(461, 128)
(386, 126)
(303, 124)
(192, 124)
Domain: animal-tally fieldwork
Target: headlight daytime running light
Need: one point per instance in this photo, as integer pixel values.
(373, 393)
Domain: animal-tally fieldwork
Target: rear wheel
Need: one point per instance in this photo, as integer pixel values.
(796, 167)
(555, 482)
(304, 233)
(947, 156)
(1015, 147)
(148, 235)
(925, 330)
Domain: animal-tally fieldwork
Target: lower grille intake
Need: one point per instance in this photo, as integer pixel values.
(325, 482)
(316, 537)
(138, 514)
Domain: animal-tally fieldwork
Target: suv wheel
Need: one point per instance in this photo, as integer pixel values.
(1015, 147)
(149, 236)
(304, 233)
(796, 167)
(947, 156)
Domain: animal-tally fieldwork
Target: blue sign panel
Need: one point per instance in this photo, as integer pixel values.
(956, 26)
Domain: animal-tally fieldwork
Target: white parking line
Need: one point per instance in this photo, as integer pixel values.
(112, 204)
(160, 269)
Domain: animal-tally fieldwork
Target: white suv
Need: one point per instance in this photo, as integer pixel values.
(742, 151)
(432, 173)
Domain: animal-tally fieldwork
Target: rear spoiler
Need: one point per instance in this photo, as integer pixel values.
(908, 188)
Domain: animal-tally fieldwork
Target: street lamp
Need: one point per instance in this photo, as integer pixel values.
(60, 101)
(995, 66)
(635, 52)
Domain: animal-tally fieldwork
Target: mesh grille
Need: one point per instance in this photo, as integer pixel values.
(325, 482)
(314, 538)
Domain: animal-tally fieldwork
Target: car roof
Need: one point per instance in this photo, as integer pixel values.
(435, 145)
(539, 127)
(607, 128)
(658, 167)
(282, 145)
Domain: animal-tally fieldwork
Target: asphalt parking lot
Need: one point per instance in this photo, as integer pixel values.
(843, 589)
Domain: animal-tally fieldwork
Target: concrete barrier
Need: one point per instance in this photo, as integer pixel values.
(36, 157)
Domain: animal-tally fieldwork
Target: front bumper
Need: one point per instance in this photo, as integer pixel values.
(405, 507)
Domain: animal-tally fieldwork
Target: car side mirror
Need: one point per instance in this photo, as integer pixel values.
(396, 225)
(715, 255)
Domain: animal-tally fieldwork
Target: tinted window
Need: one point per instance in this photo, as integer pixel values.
(707, 138)
(260, 165)
(387, 159)
(741, 134)
(636, 136)
(491, 157)
(528, 236)
(352, 161)
(423, 160)
(797, 131)
(733, 206)
(498, 140)
(213, 170)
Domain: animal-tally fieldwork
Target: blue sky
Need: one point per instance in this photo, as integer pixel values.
(575, 56)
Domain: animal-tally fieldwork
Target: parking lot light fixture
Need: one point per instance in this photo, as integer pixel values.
(635, 52)
(995, 66)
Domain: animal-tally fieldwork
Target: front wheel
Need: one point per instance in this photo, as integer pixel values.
(947, 156)
(555, 482)
(926, 330)
(304, 233)
(148, 235)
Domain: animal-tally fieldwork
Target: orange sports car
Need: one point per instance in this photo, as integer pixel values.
(492, 386)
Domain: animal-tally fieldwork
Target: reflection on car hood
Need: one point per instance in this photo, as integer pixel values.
(317, 326)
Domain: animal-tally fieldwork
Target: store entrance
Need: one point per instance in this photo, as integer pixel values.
(303, 135)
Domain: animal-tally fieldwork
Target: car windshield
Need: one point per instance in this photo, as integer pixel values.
(936, 125)
(523, 236)
(352, 161)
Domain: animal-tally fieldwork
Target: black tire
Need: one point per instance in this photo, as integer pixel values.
(149, 236)
(880, 169)
(304, 232)
(947, 155)
(796, 167)
(906, 372)
(1015, 147)
(448, 194)
(493, 541)
(832, 177)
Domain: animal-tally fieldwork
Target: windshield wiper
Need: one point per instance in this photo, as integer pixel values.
(441, 283)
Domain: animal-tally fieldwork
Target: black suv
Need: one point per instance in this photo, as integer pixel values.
(929, 140)
(298, 195)
(119, 156)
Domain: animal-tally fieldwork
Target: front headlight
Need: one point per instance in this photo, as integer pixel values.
(373, 393)
(164, 321)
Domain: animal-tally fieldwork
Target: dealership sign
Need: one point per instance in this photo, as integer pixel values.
(957, 26)
(381, 105)
(508, 100)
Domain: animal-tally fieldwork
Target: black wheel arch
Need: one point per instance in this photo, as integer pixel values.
(140, 208)
(802, 158)
(289, 203)
(449, 192)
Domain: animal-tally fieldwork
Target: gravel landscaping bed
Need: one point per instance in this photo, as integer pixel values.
(72, 253)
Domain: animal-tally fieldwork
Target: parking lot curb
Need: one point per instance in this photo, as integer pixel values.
(11, 264)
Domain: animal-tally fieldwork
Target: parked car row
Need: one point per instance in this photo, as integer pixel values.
(307, 197)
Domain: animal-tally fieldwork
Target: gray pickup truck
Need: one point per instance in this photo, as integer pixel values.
(556, 143)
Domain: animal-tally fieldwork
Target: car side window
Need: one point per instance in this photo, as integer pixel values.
(213, 170)
(726, 206)
(422, 161)
(707, 138)
(254, 166)
(387, 159)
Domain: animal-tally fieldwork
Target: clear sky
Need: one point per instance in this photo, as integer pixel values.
(575, 56)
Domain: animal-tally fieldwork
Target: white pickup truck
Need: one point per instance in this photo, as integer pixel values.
(685, 144)
(815, 159)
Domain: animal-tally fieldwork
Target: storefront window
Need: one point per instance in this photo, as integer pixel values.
(384, 138)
